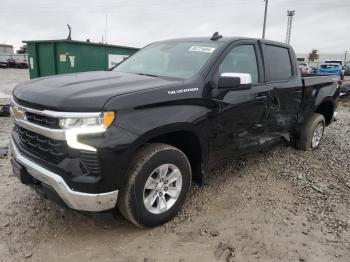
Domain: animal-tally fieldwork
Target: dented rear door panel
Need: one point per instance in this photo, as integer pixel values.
(286, 93)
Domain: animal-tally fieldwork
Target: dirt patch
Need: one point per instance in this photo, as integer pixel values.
(279, 205)
(344, 104)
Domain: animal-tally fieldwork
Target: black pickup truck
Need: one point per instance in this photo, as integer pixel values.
(135, 137)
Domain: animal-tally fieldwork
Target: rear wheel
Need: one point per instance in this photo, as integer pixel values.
(312, 132)
(157, 186)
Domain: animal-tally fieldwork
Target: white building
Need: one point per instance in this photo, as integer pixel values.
(6, 52)
(324, 57)
(6, 49)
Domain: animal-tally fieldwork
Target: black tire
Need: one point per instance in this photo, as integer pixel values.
(307, 132)
(148, 158)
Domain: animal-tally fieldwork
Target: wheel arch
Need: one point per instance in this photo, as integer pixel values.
(326, 108)
(185, 137)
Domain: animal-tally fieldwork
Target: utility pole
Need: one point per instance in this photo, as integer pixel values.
(290, 14)
(345, 55)
(105, 30)
(265, 15)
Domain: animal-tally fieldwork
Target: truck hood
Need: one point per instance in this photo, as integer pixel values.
(87, 91)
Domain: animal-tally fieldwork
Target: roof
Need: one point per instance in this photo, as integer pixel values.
(78, 42)
(189, 39)
(225, 39)
(9, 46)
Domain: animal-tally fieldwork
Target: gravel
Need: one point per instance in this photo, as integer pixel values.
(279, 205)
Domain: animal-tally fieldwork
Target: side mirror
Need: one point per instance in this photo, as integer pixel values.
(235, 81)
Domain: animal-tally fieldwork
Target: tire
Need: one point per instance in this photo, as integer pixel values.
(308, 131)
(148, 162)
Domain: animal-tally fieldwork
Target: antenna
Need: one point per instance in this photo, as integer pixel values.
(290, 14)
(70, 32)
(216, 36)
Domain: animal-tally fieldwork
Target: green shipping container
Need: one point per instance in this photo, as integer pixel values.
(54, 57)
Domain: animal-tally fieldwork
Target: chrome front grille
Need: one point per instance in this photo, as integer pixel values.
(51, 150)
(37, 133)
(43, 120)
(54, 151)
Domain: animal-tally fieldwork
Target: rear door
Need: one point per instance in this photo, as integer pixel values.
(240, 121)
(283, 78)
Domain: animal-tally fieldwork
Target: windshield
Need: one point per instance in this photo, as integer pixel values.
(328, 66)
(169, 59)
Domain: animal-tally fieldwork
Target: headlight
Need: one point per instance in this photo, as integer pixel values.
(104, 120)
(17, 112)
(85, 125)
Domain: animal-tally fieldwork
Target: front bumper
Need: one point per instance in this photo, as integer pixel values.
(73, 199)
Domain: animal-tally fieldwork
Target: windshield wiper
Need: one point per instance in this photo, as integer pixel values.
(142, 74)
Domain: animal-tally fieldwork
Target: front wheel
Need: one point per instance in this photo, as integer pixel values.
(312, 132)
(157, 185)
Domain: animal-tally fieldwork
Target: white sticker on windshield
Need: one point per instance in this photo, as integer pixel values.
(204, 49)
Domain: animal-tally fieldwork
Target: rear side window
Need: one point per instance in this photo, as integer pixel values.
(278, 65)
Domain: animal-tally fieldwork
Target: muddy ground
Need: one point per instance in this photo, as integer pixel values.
(279, 205)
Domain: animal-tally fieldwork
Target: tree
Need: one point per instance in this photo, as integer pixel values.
(313, 55)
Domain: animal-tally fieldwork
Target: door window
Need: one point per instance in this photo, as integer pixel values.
(278, 65)
(241, 59)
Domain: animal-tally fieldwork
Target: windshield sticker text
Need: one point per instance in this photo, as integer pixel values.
(204, 49)
(181, 91)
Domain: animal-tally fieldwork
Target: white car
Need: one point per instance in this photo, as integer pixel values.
(305, 68)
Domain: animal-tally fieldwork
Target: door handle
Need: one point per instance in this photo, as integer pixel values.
(261, 97)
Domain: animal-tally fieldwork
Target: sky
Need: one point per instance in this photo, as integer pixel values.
(317, 24)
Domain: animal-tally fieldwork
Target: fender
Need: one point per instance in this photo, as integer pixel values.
(326, 93)
(171, 129)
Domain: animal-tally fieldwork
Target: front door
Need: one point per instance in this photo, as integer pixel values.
(240, 120)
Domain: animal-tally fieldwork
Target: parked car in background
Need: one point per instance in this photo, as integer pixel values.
(21, 65)
(3, 62)
(11, 63)
(347, 70)
(326, 69)
(305, 68)
(339, 62)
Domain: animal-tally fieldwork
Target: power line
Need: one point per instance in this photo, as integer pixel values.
(124, 8)
(169, 3)
(177, 5)
(314, 3)
(172, 5)
(318, 2)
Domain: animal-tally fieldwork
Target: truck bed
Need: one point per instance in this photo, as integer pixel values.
(312, 80)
